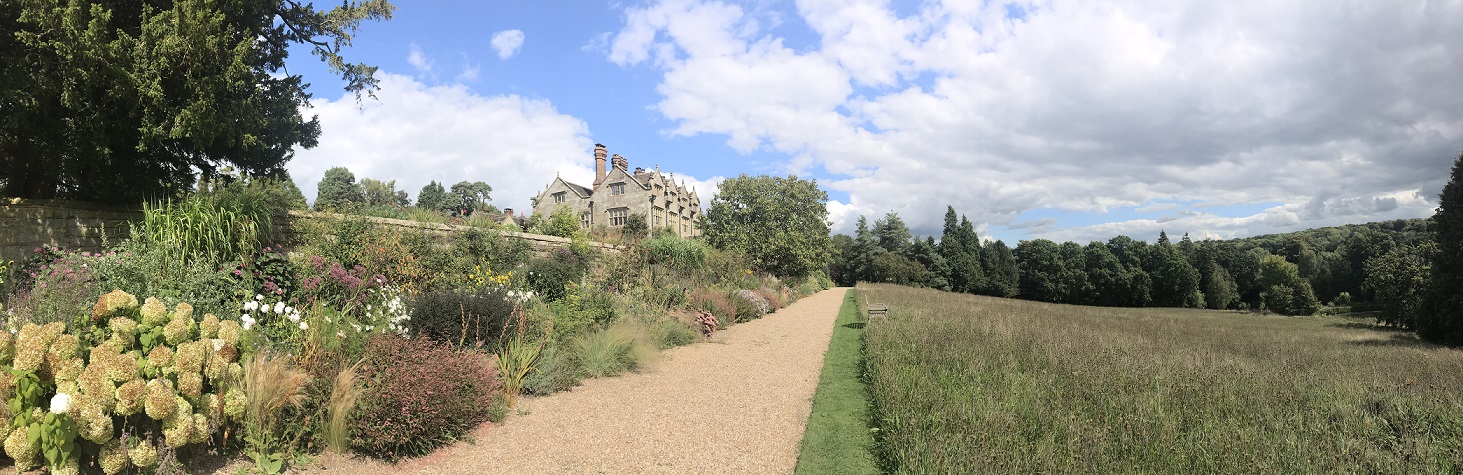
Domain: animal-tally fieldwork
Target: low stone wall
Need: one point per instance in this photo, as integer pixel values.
(540, 244)
(26, 224)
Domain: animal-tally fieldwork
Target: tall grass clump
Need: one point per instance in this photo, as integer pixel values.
(969, 384)
(685, 255)
(343, 396)
(270, 384)
(621, 347)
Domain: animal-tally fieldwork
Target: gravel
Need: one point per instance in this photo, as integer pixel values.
(737, 404)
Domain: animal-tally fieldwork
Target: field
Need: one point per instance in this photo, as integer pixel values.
(970, 384)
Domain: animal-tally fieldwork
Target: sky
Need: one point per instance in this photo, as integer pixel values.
(1066, 120)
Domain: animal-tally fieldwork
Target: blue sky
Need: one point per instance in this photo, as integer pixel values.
(1054, 119)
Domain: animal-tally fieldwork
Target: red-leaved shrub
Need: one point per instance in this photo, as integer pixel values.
(420, 395)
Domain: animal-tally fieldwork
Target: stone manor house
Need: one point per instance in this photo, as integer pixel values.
(617, 193)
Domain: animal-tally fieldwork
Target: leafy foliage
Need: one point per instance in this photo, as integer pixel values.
(781, 224)
(338, 191)
(1441, 319)
(127, 100)
(462, 318)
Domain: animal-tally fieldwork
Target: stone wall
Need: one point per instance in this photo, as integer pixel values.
(540, 244)
(26, 224)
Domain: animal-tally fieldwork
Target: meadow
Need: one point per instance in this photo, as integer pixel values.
(972, 384)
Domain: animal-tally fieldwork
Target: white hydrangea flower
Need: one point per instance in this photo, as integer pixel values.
(60, 403)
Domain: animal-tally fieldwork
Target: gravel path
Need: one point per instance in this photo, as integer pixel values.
(737, 404)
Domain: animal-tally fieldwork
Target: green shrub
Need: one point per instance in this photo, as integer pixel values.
(581, 309)
(461, 318)
(548, 277)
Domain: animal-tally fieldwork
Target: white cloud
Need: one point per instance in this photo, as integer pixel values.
(470, 71)
(416, 133)
(419, 60)
(1078, 105)
(507, 42)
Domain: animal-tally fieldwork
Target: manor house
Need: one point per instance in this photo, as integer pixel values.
(618, 193)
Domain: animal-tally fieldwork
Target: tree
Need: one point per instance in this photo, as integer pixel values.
(1441, 319)
(1042, 271)
(338, 190)
(470, 196)
(1284, 290)
(561, 223)
(1174, 280)
(1398, 280)
(126, 100)
(1106, 275)
(1220, 290)
(1001, 275)
(382, 193)
(781, 224)
(891, 232)
(434, 198)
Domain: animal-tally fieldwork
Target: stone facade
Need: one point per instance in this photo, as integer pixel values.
(618, 193)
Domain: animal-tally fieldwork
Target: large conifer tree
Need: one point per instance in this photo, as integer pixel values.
(1442, 317)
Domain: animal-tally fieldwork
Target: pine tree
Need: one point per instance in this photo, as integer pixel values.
(1442, 316)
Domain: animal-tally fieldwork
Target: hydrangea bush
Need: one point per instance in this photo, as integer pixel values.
(144, 379)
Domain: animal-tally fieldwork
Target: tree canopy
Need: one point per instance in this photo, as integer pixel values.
(125, 100)
(781, 224)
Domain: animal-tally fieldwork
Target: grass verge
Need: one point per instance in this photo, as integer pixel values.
(969, 384)
(838, 440)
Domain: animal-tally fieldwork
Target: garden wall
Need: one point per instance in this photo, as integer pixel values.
(26, 224)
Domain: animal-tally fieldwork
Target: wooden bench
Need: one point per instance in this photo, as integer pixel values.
(878, 310)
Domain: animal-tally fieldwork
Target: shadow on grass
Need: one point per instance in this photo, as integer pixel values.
(1397, 339)
(854, 325)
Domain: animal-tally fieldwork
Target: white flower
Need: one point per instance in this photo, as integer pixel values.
(258, 296)
(248, 323)
(251, 305)
(218, 344)
(60, 403)
(265, 308)
(279, 307)
(340, 334)
(304, 326)
(294, 317)
(289, 309)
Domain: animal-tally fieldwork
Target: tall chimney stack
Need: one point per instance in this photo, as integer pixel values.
(599, 164)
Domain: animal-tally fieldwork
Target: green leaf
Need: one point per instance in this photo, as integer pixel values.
(34, 433)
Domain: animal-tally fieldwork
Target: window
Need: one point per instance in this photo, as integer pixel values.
(617, 189)
(660, 217)
(617, 216)
(559, 197)
(584, 219)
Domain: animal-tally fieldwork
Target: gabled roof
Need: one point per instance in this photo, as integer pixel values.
(580, 190)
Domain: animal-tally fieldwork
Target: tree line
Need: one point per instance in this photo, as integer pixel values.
(339, 191)
(1380, 266)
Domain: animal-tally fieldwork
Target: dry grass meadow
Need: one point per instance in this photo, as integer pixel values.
(971, 384)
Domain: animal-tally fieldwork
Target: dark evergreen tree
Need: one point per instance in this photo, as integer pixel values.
(1442, 315)
(338, 190)
(1002, 276)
